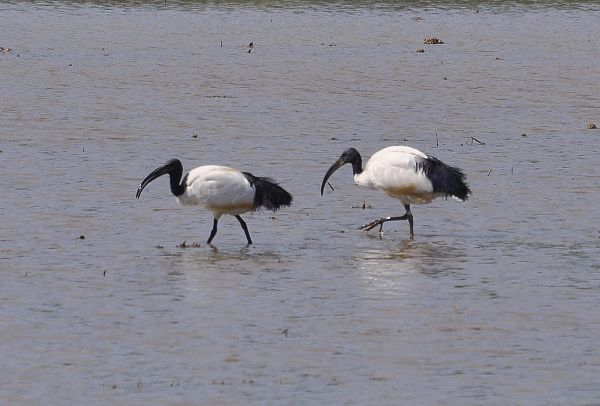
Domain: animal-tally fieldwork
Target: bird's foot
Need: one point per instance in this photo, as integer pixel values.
(372, 225)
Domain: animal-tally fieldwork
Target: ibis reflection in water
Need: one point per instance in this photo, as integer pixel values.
(406, 174)
(222, 190)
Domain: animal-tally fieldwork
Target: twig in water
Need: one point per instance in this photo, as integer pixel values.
(490, 171)
(332, 189)
(473, 139)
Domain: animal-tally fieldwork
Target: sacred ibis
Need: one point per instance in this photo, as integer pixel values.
(406, 174)
(222, 190)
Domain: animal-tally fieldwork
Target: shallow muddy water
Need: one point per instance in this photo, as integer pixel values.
(495, 301)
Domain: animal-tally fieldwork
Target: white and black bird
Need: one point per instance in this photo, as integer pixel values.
(406, 174)
(222, 190)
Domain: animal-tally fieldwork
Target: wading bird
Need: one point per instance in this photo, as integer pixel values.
(406, 174)
(222, 190)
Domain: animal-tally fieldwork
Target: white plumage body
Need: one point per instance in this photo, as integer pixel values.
(220, 189)
(395, 171)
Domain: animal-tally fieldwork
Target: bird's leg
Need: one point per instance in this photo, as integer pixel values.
(379, 222)
(245, 228)
(409, 217)
(213, 232)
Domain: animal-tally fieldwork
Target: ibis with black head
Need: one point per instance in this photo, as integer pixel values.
(405, 174)
(221, 190)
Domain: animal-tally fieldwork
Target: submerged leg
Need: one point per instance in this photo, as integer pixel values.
(213, 232)
(245, 228)
(379, 222)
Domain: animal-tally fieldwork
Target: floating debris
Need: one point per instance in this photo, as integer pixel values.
(192, 245)
(523, 135)
(592, 126)
(5, 50)
(363, 206)
(81, 237)
(251, 45)
(417, 18)
(420, 50)
(432, 41)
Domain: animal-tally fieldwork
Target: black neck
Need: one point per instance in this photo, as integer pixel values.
(357, 165)
(175, 170)
(353, 156)
(177, 187)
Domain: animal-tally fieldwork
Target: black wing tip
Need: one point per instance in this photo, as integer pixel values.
(445, 179)
(268, 193)
(463, 194)
(279, 197)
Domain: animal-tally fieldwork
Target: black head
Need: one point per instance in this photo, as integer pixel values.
(172, 167)
(349, 156)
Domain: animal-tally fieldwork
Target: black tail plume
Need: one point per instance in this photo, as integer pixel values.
(445, 179)
(268, 194)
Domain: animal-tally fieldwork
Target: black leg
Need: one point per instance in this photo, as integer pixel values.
(409, 217)
(213, 232)
(245, 228)
(379, 222)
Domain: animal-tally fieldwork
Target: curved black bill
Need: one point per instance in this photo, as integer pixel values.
(337, 164)
(163, 170)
